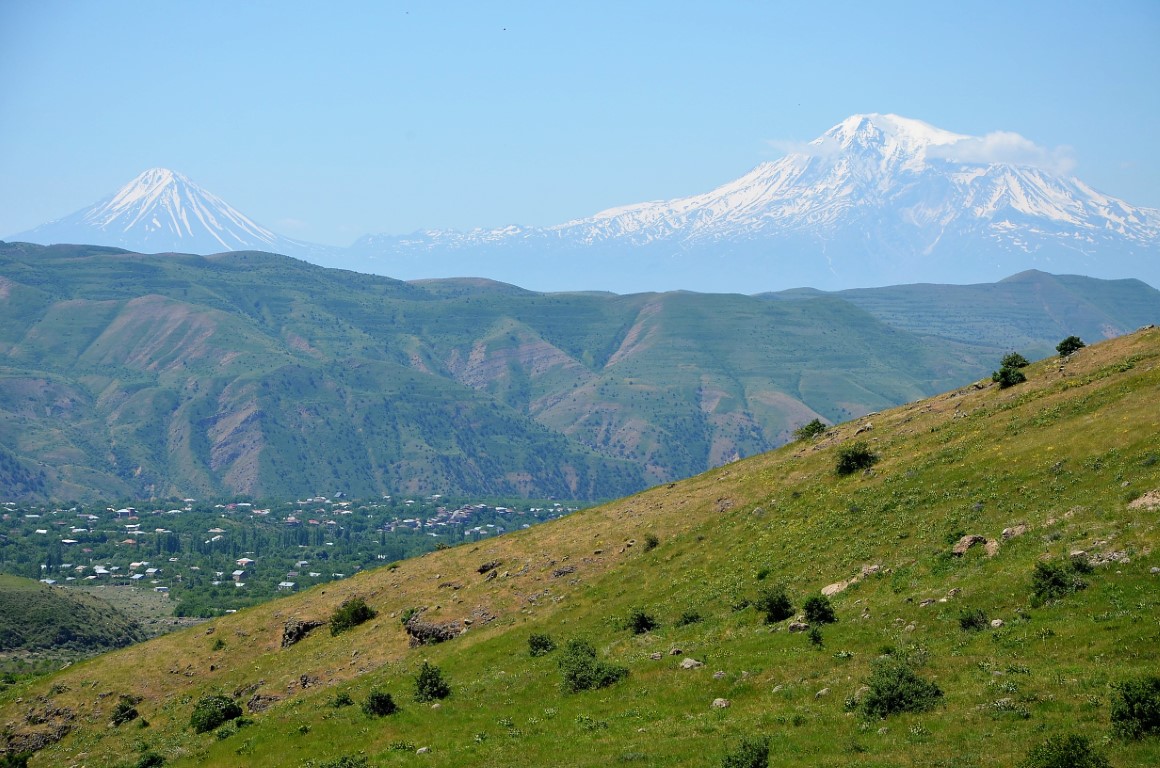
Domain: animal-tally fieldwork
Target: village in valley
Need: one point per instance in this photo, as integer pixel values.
(211, 558)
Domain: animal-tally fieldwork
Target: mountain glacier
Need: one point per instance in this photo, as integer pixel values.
(875, 200)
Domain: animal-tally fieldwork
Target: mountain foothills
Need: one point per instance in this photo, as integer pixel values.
(248, 373)
(964, 581)
(875, 200)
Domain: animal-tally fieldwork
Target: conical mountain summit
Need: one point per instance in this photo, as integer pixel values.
(161, 210)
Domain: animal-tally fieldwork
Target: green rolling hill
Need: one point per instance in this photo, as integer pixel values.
(130, 376)
(992, 576)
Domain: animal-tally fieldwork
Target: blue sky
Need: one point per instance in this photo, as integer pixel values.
(326, 121)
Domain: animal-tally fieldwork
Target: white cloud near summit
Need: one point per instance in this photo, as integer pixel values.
(1006, 147)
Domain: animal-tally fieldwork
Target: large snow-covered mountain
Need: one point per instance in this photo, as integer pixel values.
(875, 200)
(163, 211)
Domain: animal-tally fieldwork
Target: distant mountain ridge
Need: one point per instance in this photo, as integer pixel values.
(875, 200)
(123, 375)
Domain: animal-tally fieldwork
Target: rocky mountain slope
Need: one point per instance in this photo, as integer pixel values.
(140, 376)
(992, 578)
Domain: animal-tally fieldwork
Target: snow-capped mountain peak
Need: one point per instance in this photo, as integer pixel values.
(162, 210)
(877, 198)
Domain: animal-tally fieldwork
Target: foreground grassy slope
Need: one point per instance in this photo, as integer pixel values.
(1071, 454)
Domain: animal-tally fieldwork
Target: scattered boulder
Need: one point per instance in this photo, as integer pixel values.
(719, 675)
(926, 602)
(798, 626)
(295, 630)
(429, 632)
(676, 652)
(721, 703)
(563, 570)
(996, 623)
(656, 656)
(259, 702)
(490, 565)
(1150, 500)
(491, 575)
(691, 664)
(966, 542)
(1016, 530)
(991, 547)
(838, 586)
(422, 750)
(821, 693)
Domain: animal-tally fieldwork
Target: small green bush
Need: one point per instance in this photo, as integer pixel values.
(1064, 752)
(1051, 581)
(1069, 345)
(346, 761)
(815, 636)
(852, 458)
(640, 622)
(149, 760)
(350, 614)
(810, 429)
(430, 685)
(750, 752)
(1014, 360)
(341, 700)
(540, 644)
(1008, 377)
(14, 760)
(775, 603)
(1136, 708)
(818, 610)
(125, 710)
(583, 671)
(973, 620)
(896, 687)
(651, 542)
(212, 711)
(688, 617)
(379, 704)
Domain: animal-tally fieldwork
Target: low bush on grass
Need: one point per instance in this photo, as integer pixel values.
(640, 622)
(852, 458)
(346, 761)
(125, 710)
(818, 610)
(341, 700)
(896, 687)
(583, 671)
(1008, 377)
(1014, 360)
(350, 614)
(379, 704)
(651, 542)
(1051, 581)
(973, 620)
(750, 752)
(1136, 708)
(212, 711)
(688, 617)
(540, 644)
(775, 603)
(810, 429)
(1070, 751)
(430, 685)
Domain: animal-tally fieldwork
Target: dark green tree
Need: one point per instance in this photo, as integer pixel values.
(1069, 345)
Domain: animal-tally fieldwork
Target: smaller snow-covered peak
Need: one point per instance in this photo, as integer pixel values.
(874, 128)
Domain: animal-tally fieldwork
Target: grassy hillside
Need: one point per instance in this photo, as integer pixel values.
(1067, 462)
(133, 376)
(36, 616)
